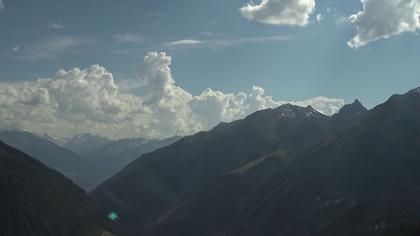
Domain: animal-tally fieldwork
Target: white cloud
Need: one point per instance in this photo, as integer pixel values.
(319, 17)
(128, 38)
(184, 42)
(248, 40)
(334, 15)
(381, 19)
(280, 12)
(1, 5)
(89, 100)
(55, 26)
(226, 42)
(15, 48)
(50, 48)
(325, 105)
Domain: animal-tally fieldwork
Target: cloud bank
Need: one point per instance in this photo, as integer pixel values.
(280, 12)
(381, 19)
(89, 100)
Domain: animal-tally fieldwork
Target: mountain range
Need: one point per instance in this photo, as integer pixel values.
(84, 143)
(284, 171)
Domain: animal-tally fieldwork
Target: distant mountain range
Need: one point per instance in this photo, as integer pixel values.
(36, 200)
(284, 171)
(86, 159)
(63, 160)
(84, 143)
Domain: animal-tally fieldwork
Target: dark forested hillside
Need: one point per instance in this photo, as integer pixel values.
(36, 200)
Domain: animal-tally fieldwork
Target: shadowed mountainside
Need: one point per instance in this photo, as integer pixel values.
(113, 156)
(362, 180)
(37, 200)
(284, 171)
(160, 182)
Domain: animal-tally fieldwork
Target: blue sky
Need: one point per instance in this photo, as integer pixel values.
(211, 45)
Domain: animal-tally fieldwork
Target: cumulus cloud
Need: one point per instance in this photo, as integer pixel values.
(89, 100)
(70, 100)
(280, 12)
(381, 19)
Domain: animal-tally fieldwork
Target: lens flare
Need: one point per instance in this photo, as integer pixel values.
(112, 216)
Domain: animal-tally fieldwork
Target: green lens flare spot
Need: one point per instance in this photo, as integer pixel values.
(112, 216)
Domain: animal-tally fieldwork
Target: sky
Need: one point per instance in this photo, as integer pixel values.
(133, 68)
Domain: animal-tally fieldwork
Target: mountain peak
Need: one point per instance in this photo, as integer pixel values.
(357, 102)
(350, 111)
(354, 108)
(294, 108)
(290, 111)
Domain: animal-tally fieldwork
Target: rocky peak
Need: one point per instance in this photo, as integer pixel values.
(354, 109)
